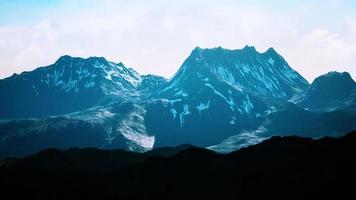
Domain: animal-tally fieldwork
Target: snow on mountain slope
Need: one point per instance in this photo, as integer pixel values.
(218, 93)
(71, 73)
(219, 98)
(241, 140)
(68, 85)
(119, 125)
(92, 90)
(266, 74)
(291, 120)
(123, 123)
(134, 130)
(245, 84)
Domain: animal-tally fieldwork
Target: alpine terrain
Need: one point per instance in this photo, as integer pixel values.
(220, 99)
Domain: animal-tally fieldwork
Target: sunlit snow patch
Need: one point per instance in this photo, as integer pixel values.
(247, 104)
(182, 114)
(239, 141)
(203, 106)
(134, 130)
(270, 110)
(270, 61)
(174, 112)
(230, 101)
(233, 121)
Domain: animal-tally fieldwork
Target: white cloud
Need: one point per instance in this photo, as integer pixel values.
(157, 37)
(321, 51)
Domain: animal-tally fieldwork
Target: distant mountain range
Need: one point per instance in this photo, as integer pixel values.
(279, 167)
(220, 99)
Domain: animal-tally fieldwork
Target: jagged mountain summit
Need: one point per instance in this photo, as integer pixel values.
(266, 74)
(219, 98)
(68, 85)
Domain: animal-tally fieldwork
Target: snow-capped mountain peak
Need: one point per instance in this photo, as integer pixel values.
(71, 83)
(267, 74)
(92, 71)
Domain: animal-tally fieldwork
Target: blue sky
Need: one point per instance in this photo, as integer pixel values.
(156, 36)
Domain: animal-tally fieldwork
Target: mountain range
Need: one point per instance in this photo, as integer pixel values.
(219, 99)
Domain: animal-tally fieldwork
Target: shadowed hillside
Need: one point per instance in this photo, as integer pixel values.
(290, 167)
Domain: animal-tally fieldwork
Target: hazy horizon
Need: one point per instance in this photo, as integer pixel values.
(156, 37)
